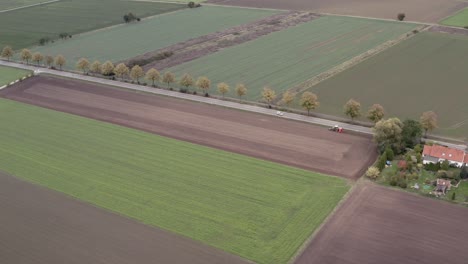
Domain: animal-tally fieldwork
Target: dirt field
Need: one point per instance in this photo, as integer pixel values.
(269, 138)
(45, 227)
(415, 10)
(379, 225)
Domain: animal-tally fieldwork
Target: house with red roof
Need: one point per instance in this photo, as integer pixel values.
(437, 153)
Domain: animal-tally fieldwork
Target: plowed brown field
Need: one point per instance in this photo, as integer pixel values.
(40, 226)
(415, 10)
(270, 138)
(380, 225)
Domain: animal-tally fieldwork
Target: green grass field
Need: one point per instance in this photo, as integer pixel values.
(9, 4)
(127, 41)
(8, 74)
(259, 210)
(24, 27)
(289, 57)
(426, 72)
(460, 19)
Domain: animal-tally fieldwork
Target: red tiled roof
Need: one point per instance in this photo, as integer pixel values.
(442, 152)
(466, 158)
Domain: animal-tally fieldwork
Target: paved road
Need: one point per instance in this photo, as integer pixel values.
(212, 101)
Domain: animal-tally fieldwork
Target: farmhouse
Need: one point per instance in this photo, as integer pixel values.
(436, 153)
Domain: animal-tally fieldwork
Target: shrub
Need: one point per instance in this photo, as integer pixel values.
(390, 154)
(465, 27)
(427, 181)
(401, 16)
(403, 184)
(393, 181)
(381, 162)
(454, 195)
(432, 166)
(415, 31)
(183, 90)
(195, 92)
(418, 148)
(372, 173)
(191, 4)
(464, 172)
(418, 157)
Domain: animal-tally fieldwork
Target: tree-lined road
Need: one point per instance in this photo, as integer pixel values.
(207, 100)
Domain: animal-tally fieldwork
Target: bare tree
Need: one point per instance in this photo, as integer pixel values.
(107, 68)
(309, 101)
(241, 90)
(223, 88)
(7, 52)
(168, 77)
(352, 109)
(82, 64)
(152, 75)
(204, 84)
(186, 81)
(268, 95)
(288, 98)
(96, 66)
(26, 55)
(49, 60)
(428, 121)
(60, 61)
(37, 57)
(136, 73)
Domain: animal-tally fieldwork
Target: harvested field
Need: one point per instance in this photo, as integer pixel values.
(426, 72)
(415, 10)
(40, 226)
(260, 210)
(292, 56)
(380, 225)
(24, 27)
(8, 74)
(275, 139)
(207, 44)
(126, 41)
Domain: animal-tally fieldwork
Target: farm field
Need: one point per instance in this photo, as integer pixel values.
(10, 4)
(460, 19)
(24, 27)
(312, 48)
(426, 72)
(415, 10)
(8, 74)
(49, 220)
(256, 209)
(284, 141)
(152, 34)
(391, 227)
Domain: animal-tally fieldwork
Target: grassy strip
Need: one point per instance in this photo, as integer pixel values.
(460, 19)
(259, 210)
(8, 74)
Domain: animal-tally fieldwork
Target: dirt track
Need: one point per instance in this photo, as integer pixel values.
(379, 225)
(416, 10)
(40, 226)
(266, 137)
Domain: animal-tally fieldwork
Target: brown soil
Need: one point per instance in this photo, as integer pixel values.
(266, 137)
(205, 45)
(380, 225)
(415, 10)
(40, 226)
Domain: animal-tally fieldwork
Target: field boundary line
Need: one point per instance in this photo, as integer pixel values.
(353, 61)
(27, 6)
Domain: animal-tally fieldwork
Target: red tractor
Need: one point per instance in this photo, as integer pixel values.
(336, 128)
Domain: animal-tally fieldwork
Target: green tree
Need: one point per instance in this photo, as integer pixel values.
(381, 162)
(152, 75)
(445, 165)
(241, 90)
(372, 173)
(464, 172)
(204, 84)
(309, 101)
(186, 81)
(96, 66)
(83, 65)
(352, 109)
(411, 133)
(136, 73)
(7, 52)
(60, 61)
(168, 78)
(268, 95)
(376, 113)
(428, 121)
(223, 88)
(121, 70)
(37, 57)
(387, 132)
(26, 55)
(107, 68)
(389, 153)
